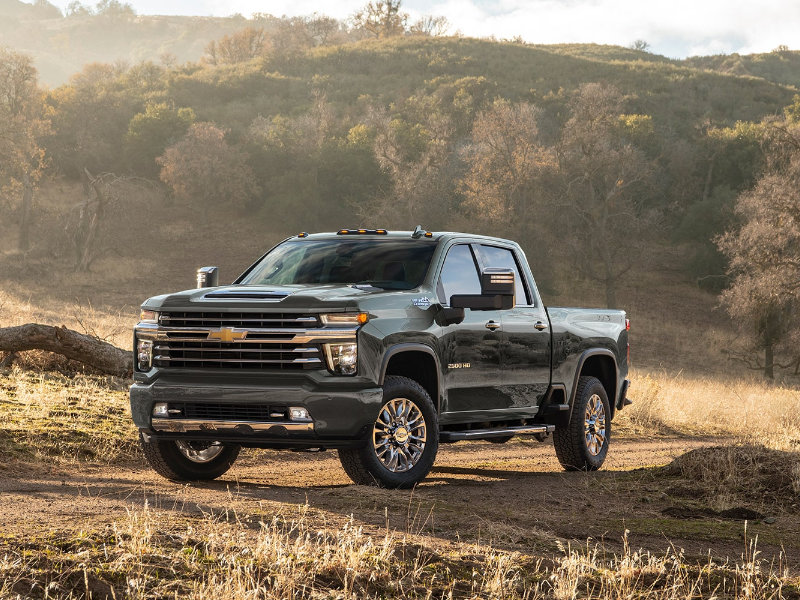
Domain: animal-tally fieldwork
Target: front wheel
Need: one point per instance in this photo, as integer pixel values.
(189, 460)
(582, 445)
(402, 445)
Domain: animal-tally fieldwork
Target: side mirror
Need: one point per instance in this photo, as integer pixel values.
(497, 292)
(207, 277)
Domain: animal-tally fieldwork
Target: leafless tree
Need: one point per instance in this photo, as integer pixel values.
(604, 178)
(764, 255)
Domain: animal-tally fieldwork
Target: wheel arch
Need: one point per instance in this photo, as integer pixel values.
(415, 361)
(602, 364)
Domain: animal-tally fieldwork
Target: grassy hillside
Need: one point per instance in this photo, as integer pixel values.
(779, 66)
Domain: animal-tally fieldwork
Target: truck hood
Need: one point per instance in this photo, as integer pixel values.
(256, 297)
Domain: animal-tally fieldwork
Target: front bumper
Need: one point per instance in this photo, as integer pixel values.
(341, 410)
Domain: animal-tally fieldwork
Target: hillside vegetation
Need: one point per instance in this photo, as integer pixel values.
(616, 169)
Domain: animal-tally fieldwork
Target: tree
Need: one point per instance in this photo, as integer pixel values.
(114, 9)
(381, 18)
(764, 255)
(244, 45)
(506, 160)
(605, 179)
(76, 9)
(430, 25)
(640, 45)
(413, 155)
(22, 125)
(203, 170)
(151, 131)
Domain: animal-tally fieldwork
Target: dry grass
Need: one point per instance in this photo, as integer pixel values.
(749, 409)
(51, 416)
(154, 554)
(735, 474)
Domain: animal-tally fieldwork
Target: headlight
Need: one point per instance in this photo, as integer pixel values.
(342, 358)
(144, 354)
(148, 316)
(353, 319)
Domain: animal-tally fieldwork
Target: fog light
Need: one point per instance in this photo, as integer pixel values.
(161, 410)
(144, 354)
(298, 413)
(342, 358)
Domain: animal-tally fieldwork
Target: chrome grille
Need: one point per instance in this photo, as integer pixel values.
(262, 341)
(220, 355)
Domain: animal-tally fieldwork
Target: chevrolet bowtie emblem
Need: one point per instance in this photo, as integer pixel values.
(228, 334)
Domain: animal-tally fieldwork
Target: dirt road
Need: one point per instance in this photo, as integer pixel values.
(514, 496)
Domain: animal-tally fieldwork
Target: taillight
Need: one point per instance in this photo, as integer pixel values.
(628, 328)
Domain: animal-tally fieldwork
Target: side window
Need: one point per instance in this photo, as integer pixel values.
(503, 258)
(459, 274)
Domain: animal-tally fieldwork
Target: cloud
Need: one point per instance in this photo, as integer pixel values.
(675, 28)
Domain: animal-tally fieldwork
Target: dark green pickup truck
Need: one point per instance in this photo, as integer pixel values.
(381, 345)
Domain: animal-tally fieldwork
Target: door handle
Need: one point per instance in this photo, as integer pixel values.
(492, 325)
(540, 326)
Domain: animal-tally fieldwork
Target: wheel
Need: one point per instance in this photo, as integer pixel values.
(189, 461)
(582, 445)
(400, 450)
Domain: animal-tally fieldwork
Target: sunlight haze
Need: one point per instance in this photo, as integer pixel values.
(676, 29)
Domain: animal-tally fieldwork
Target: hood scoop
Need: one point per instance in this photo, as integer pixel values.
(245, 295)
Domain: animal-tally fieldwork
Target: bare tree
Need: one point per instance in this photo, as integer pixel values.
(506, 160)
(107, 197)
(381, 18)
(764, 256)
(604, 179)
(431, 25)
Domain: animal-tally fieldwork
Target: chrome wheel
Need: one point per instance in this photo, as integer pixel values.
(595, 425)
(399, 435)
(200, 452)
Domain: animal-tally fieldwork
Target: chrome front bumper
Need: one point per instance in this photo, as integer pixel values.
(276, 428)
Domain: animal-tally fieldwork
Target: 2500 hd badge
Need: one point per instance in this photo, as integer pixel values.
(378, 344)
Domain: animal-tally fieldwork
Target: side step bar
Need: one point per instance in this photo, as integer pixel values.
(482, 434)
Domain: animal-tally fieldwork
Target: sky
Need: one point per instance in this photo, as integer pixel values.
(674, 28)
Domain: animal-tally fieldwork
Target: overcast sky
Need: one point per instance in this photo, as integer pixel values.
(675, 28)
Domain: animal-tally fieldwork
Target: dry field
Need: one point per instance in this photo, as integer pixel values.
(700, 496)
(686, 507)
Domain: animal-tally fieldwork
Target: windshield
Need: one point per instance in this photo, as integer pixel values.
(387, 264)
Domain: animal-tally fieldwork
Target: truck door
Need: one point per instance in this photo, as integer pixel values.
(525, 351)
(470, 350)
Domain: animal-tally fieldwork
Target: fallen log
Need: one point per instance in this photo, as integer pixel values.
(76, 346)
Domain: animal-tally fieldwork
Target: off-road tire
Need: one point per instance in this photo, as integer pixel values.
(570, 441)
(362, 464)
(168, 461)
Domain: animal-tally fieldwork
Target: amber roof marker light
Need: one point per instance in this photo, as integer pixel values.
(362, 232)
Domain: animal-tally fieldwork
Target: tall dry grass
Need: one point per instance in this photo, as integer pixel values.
(153, 554)
(749, 409)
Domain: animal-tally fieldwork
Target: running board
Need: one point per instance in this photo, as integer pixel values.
(482, 434)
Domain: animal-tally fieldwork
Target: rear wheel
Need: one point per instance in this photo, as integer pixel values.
(402, 445)
(189, 460)
(582, 445)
